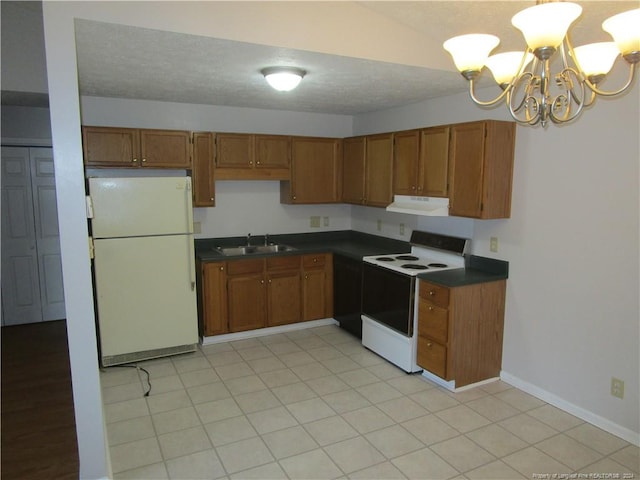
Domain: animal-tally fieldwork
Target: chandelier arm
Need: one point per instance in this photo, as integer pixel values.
(594, 88)
(485, 103)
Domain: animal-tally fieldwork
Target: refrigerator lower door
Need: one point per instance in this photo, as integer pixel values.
(146, 297)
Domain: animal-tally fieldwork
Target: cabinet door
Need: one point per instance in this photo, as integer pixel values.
(165, 148)
(111, 147)
(283, 297)
(434, 162)
(317, 287)
(234, 150)
(272, 151)
(202, 170)
(379, 170)
(247, 302)
(406, 151)
(214, 298)
(467, 154)
(353, 170)
(315, 175)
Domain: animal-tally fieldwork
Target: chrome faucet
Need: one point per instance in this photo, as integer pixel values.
(248, 239)
(266, 239)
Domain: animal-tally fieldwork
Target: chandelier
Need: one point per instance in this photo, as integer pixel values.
(533, 94)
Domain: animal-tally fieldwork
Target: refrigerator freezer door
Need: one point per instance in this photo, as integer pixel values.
(131, 207)
(145, 294)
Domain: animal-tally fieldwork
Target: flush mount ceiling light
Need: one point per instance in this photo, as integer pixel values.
(533, 94)
(283, 79)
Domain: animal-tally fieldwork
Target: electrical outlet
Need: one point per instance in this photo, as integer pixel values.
(379, 225)
(314, 221)
(325, 221)
(197, 227)
(617, 387)
(493, 244)
(402, 229)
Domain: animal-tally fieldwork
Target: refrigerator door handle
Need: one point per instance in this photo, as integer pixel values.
(192, 256)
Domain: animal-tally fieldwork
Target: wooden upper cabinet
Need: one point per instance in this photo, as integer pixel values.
(234, 150)
(353, 170)
(244, 156)
(165, 148)
(406, 155)
(109, 147)
(316, 169)
(421, 162)
(272, 151)
(379, 170)
(130, 147)
(202, 170)
(481, 169)
(433, 174)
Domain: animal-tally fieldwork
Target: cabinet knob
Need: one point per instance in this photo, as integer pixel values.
(135, 160)
(258, 162)
(262, 281)
(413, 187)
(294, 197)
(250, 163)
(212, 199)
(432, 293)
(222, 269)
(144, 160)
(419, 189)
(430, 309)
(315, 260)
(269, 280)
(306, 277)
(429, 344)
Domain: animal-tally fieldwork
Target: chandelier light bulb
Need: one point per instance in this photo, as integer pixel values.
(283, 79)
(625, 30)
(470, 52)
(505, 66)
(546, 25)
(596, 58)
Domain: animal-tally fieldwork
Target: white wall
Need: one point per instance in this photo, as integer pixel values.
(25, 125)
(572, 314)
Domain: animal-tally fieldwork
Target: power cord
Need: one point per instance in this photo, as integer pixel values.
(138, 367)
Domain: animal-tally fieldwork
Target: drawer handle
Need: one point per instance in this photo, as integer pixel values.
(432, 293)
(429, 344)
(430, 309)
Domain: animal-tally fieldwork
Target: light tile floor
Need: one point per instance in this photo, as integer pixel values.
(315, 404)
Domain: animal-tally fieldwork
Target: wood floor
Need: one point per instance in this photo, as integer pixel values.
(38, 424)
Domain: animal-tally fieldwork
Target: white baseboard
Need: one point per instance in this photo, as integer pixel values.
(586, 415)
(261, 332)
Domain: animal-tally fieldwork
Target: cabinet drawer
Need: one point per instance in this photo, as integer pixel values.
(283, 263)
(434, 293)
(432, 356)
(238, 267)
(433, 321)
(313, 260)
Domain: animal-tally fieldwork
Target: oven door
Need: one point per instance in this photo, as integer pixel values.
(387, 297)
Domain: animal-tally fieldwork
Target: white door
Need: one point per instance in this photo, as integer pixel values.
(47, 235)
(31, 268)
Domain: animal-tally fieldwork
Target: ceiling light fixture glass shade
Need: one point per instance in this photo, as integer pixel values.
(533, 93)
(283, 79)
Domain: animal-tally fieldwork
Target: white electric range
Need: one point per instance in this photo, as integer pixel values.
(390, 295)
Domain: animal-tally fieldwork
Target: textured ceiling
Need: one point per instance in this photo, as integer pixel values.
(130, 62)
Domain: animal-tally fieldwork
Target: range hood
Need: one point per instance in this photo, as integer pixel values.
(428, 206)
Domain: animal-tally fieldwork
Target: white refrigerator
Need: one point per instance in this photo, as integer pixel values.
(142, 230)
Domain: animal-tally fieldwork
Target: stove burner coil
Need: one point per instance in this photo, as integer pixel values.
(438, 265)
(414, 266)
(385, 259)
(409, 258)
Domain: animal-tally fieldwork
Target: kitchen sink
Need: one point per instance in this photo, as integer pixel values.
(254, 249)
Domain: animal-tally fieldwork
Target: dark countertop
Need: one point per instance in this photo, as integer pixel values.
(477, 270)
(356, 245)
(344, 242)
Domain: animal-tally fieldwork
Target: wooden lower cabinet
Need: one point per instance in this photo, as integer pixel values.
(460, 330)
(246, 295)
(240, 295)
(284, 285)
(317, 286)
(212, 301)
